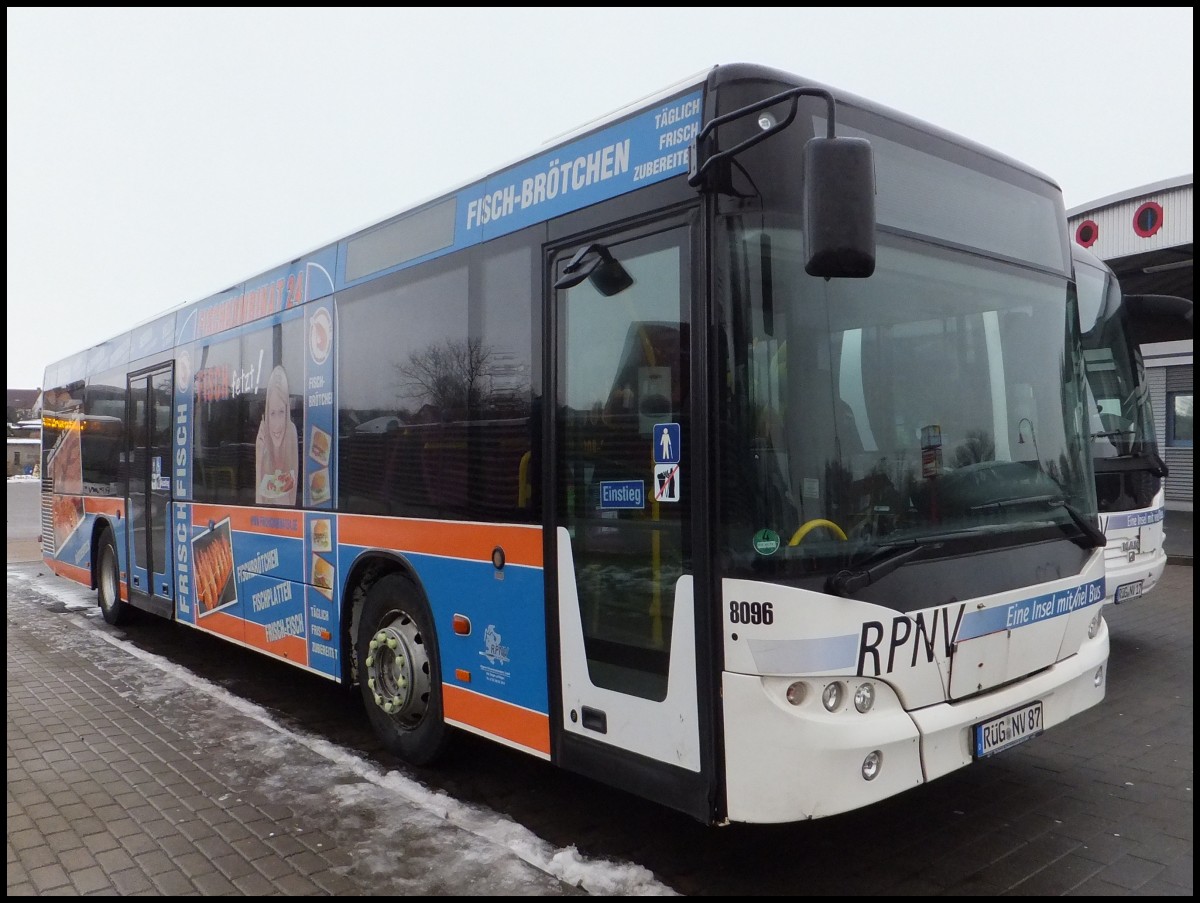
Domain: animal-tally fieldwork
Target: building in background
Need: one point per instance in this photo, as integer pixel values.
(24, 404)
(1145, 235)
(23, 457)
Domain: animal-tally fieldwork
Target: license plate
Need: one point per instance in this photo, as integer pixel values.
(1127, 591)
(1007, 730)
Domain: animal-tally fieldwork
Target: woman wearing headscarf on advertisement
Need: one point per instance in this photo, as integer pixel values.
(277, 446)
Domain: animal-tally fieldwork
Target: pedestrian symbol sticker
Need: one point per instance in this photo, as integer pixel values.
(666, 443)
(666, 482)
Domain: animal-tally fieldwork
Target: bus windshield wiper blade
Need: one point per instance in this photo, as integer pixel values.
(885, 560)
(1096, 538)
(999, 504)
(1094, 533)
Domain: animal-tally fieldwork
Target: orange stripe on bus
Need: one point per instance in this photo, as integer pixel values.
(522, 545)
(273, 522)
(222, 624)
(292, 648)
(513, 723)
(111, 507)
(81, 575)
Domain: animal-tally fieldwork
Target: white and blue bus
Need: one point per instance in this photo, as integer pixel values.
(1130, 473)
(732, 451)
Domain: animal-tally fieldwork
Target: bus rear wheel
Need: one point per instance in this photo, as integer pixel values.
(399, 671)
(108, 583)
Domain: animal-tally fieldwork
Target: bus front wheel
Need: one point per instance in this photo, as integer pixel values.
(399, 671)
(108, 582)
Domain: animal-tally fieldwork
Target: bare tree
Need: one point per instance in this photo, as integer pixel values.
(450, 376)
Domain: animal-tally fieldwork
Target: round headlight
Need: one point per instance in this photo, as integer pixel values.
(871, 765)
(831, 697)
(864, 697)
(796, 693)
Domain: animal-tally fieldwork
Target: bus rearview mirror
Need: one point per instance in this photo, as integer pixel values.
(839, 207)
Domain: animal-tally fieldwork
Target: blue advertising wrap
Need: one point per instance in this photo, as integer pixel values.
(320, 484)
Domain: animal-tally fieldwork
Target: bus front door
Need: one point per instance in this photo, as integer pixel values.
(622, 540)
(149, 454)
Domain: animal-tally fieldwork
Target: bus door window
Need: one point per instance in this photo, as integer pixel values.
(162, 393)
(623, 370)
(139, 418)
(150, 397)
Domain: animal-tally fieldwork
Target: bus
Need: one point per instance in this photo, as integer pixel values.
(684, 454)
(1130, 473)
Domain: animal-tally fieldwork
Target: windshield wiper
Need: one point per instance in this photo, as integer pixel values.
(998, 504)
(1094, 533)
(885, 560)
(1096, 538)
(1139, 460)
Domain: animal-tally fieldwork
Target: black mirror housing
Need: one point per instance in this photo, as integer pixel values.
(839, 207)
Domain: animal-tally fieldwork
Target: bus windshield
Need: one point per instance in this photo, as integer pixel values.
(1121, 419)
(938, 400)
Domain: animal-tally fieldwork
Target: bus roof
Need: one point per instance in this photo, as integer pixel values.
(261, 293)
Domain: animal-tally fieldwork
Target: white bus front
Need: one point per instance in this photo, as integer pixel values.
(1130, 474)
(911, 570)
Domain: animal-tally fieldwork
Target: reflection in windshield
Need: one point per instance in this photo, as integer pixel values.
(1124, 447)
(940, 398)
(1120, 416)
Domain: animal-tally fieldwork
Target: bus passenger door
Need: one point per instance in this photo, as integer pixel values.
(622, 543)
(151, 577)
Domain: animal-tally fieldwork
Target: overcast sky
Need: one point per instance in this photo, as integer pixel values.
(158, 156)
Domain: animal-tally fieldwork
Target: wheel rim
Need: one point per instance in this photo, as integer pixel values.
(398, 671)
(109, 586)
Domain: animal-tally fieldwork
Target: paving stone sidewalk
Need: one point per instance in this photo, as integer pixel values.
(127, 781)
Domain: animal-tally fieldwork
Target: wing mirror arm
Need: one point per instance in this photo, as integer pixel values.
(839, 185)
(595, 262)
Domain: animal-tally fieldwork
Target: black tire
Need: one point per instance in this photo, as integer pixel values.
(399, 671)
(108, 582)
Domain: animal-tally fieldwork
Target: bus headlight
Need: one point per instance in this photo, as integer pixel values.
(831, 696)
(1094, 625)
(864, 697)
(871, 765)
(796, 692)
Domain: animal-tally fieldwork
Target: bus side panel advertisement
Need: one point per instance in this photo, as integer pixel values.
(181, 426)
(640, 151)
(287, 286)
(241, 575)
(320, 483)
(323, 594)
(495, 675)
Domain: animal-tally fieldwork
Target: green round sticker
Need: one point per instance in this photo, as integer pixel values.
(766, 542)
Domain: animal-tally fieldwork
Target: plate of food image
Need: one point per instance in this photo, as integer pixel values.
(320, 335)
(278, 484)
